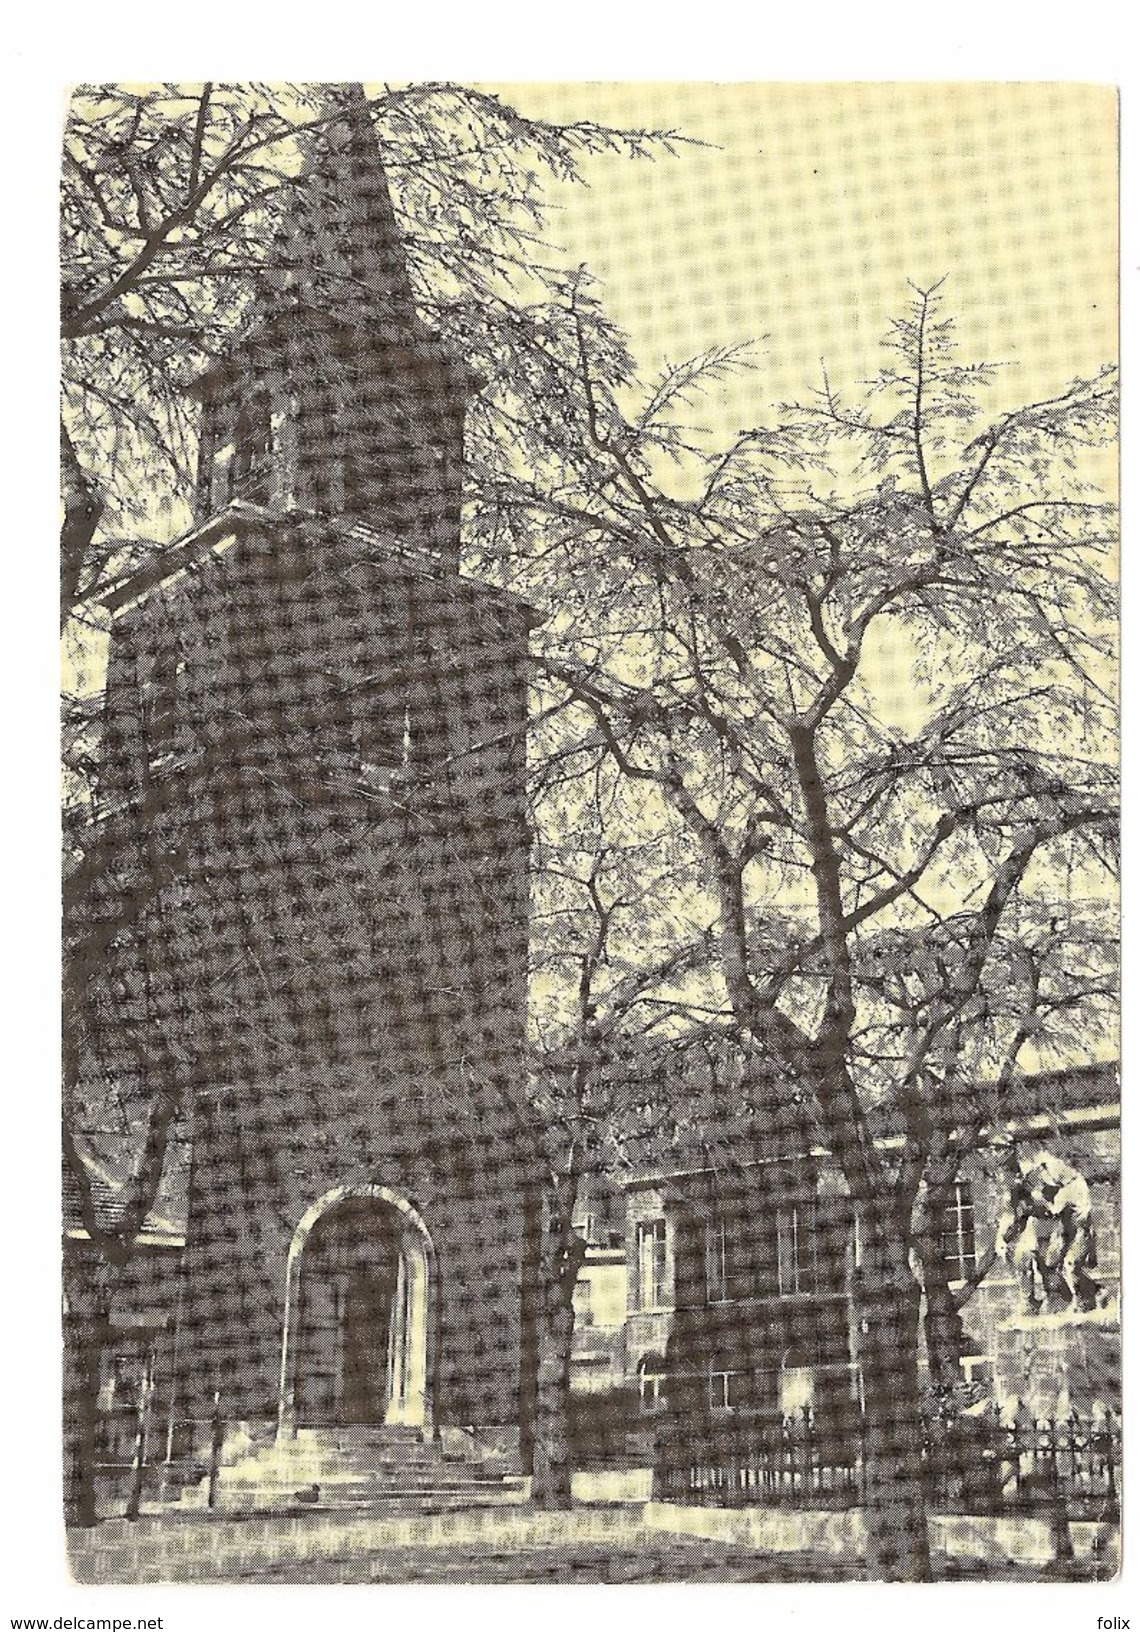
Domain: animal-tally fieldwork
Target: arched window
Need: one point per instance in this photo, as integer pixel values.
(160, 695)
(651, 1382)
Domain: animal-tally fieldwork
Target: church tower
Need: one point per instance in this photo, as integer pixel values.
(316, 740)
(339, 400)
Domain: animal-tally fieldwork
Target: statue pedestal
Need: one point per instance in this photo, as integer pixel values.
(1058, 1363)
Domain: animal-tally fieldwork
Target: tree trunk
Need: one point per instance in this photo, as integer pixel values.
(84, 1333)
(82, 510)
(553, 1467)
(887, 1310)
(944, 1330)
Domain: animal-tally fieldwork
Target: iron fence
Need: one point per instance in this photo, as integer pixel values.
(978, 1465)
(757, 1462)
(973, 1465)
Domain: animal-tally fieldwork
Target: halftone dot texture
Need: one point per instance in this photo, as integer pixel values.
(796, 228)
(315, 754)
(800, 219)
(315, 759)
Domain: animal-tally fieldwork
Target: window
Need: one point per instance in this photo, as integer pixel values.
(207, 456)
(161, 698)
(583, 1304)
(651, 1264)
(651, 1382)
(716, 1263)
(251, 465)
(796, 1257)
(797, 1387)
(397, 716)
(385, 734)
(719, 1393)
(367, 724)
(734, 1390)
(958, 1247)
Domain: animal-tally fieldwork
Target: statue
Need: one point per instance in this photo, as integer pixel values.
(1045, 1232)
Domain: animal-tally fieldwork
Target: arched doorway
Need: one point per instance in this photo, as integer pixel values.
(357, 1328)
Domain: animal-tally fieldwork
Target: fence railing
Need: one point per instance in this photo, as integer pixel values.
(973, 1465)
(977, 1465)
(142, 1454)
(769, 1463)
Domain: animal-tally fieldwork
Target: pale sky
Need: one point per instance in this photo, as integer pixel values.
(798, 225)
(1052, 306)
(818, 202)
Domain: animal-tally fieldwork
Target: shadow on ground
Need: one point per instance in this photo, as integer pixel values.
(580, 1547)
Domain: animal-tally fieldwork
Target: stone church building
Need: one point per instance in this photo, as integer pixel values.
(315, 752)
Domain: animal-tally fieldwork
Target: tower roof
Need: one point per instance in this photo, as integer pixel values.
(337, 253)
(338, 248)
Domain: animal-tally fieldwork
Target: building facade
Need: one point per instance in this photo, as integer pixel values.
(739, 1272)
(314, 773)
(739, 1291)
(601, 1296)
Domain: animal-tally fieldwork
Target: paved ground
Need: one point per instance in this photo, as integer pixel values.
(657, 1560)
(587, 1546)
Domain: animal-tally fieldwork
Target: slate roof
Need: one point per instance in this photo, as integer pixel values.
(740, 1112)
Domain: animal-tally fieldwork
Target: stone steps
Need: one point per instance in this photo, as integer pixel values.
(381, 1479)
(359, 1496)
(356, 1469)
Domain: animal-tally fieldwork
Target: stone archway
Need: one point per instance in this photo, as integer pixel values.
(360, 1289)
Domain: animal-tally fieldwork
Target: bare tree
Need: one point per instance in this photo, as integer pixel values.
(901, 901)
(170, 197)
(612, 967)
(906, 900)
(170, 200)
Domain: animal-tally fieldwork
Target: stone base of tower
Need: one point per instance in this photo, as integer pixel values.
(386, 1294)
